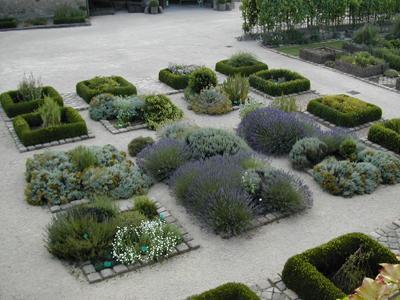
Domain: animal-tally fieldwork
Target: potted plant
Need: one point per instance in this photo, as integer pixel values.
(221, 5)
(154, 4)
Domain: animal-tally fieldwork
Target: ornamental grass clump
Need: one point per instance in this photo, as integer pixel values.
(249, 106)
(83, 157)
(274, 132)
(177, 130)
(50, 113)
(145, 206)
(236, 88)
(286, 104)
(30, 88)
(242, 59)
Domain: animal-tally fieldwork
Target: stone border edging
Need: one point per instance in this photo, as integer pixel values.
(114, 130)
(63, 207)
(255, 91)
(51, 26)
(387, 236)
(274, 289)
(188, 244)
(332, 69)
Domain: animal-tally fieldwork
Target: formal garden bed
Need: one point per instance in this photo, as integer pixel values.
(319, 55)
(361, 64)
(121, 114)
(176, 75)
(335, 269)
(106, 241)
(115, 85)
(386, 134)
(279, 82)
(240, 63)
(230, 290)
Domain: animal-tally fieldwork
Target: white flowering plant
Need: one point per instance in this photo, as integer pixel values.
(148, 241)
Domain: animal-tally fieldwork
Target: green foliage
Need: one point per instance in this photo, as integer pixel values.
(348, 149)
(145, 206)
(67, 14)
(362, 59)
(279, 82)
(287, 104)
(307, 274)
(242, 59)
(226, 68)
(250, 106)
(72, 125)
(211, 101)
(391, 73)
(250, 11)
(307, 152)
(388, 164)
(154, 3)
(8, 22)
(176, 81)
(102, 107)
(386, 134)
(389, 55)
(138, 144)
(343, 110)
(202, 78)
(396, 28)
(159, 109)
(236, 88)
(231, 290)
(176, 130)
(367, 35)
(30, 89)
(83, 157)
(50, 112)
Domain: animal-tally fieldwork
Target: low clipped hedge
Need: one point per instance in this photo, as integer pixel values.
(125, 88)
(345, 119)
(13, 106)
(9, 22)
(72, 125)
(231, 291)
(306, 273)
(225, 68)
(386, 134)
(69, 20)
(389, 56)
(176, 81)
(294, 82)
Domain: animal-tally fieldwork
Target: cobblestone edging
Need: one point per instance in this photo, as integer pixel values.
(63, 207)
(375, 146)
(255, 91)
(274, 289)
(21, 148)
(389, 236)
(86, 23)
(187, 245)
(73, 100)
(366, 80)
(114, 130)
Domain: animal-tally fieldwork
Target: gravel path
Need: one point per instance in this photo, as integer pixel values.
(136, 46)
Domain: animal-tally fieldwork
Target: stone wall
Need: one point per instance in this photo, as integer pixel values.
(29, 9)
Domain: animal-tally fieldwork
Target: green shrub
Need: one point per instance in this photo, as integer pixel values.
(343, 110)
(307, 152)
(287, 104)
(8, 22)
(177, 130)
(307, 274)
(138, 144)
(240, 63)
(50, 112)
(102, 107)
(145, 206)
(348, 149)
(67, 14)
(242, 59)
(159, 109)
(231, 291)
(391, 73)
(202, 78)
(386, 134)
(114, 85)
(250, 106)
(396, 28)
(389, 55)
(367, 35)
(279, 82)
(388, 164)
(236, 88)
(207, 142)
(30, 89)
(176, 81)
(211, 101)
(83, 157)
(15, 104)
(72, 125)
(362, 59)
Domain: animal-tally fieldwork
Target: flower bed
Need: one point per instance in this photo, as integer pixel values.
(176, 76)
(343, 110)
(30, 131)
(114, 85)
(231, 290)
(319, 55)
(386, 134)
(55, 178)
(312, 274)
(14, 104)
(279, 82)
(361, 64)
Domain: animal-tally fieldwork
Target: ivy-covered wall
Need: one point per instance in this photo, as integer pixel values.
(28, 9)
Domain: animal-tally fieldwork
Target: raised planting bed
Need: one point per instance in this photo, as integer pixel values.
(176, 76)
(231, 290)
(343, 110)
(332, 270)
(30, 131)
(279, 82)
(114, 85)
(386, 134)
(361, 64)
(226, 68)
(111, 241)
(319, 55)
(8, 23)
(14, 104)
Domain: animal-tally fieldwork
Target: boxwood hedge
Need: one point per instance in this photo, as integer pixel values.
(125, 88)
(386, 134)
(9, 22)
(69, 20)
(231, 291)
(279, 82)
(307, 273)
(13, 106)
(225, 68)
(26, 127)
(343, 110)
(176, 81)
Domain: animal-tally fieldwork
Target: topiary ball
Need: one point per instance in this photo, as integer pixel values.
(202, 78)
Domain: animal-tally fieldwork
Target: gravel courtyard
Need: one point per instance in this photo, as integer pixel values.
(137, 46)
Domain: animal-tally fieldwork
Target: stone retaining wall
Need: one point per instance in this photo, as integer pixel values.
(30, 9)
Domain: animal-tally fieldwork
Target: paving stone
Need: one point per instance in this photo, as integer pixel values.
(192, 244)
(106, 273)
(87, 269)
(187, 237)
(134, 266)
(281, 285)
(264, 285)
(120, 269)
(93, 277)
(182, 248)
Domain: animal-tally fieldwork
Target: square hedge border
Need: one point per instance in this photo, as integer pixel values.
(224, 68)
(73, 127)
(125, 89)
(188, 244)
(386, 134)
(176, 81)
(230, 290)
(296, 83)
(352, 119)
(304, 273)
(13, 109)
